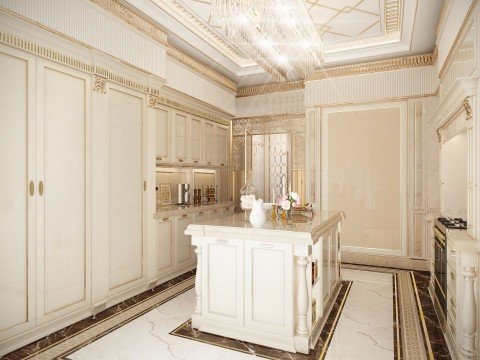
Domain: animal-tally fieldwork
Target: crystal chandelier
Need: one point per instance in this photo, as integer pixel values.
(278, 34)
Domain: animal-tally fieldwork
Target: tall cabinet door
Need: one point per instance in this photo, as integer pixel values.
(164, 246)
(17, 192)
(196, 138)
(183, 244)
(163, 138)
(126, 188)
(208, 143)
(221, 145)
(63, 174)
(179, 136)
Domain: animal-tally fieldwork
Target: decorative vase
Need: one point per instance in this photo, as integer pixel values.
(258, 216)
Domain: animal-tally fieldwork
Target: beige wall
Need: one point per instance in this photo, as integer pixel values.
(364, 175)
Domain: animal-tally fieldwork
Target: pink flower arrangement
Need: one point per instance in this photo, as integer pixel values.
(289, 201)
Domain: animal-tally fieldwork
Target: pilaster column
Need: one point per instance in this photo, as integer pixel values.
(198, 280)
(302, 296)
(469, 314)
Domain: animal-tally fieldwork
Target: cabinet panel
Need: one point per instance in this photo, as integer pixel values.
(325, 266)
(15, 203)
(126, 112)
(221, 145)
(214, 214)
(65, 243)
(199, 218)
(180, 136)
(183, 245)
(196, 138)
(164, 246)
(269, 287)
(208, 143)
(163, 133)
(222, 285)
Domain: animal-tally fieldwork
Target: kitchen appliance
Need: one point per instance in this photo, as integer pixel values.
(183, 194)
(440, 233)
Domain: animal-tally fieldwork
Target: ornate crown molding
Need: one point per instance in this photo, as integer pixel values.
(265, 124)
(270, 88)
(199, 67)
(393, 11)
(374, 66)
(133, 18)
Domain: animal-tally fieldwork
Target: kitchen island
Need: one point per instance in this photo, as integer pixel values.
(273, 285)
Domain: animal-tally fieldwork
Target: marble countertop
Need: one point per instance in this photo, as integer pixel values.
(172, 210)
(461, 240)
(238, 226)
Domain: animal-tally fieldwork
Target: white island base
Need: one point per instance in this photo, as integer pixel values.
(258, 285)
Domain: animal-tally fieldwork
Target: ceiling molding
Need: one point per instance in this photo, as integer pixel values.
(443, 17)
(458, 39)
(393, 16)
(185, 59)
(132, 17)
(374, 66)
(270, 88)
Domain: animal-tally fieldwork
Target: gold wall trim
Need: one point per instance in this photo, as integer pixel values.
(100, 84)
(199, 67)
(393, 16)
(374, 66)
(270, 88)
(44, 52)
(121, 80)
(180, 106)
(269, 124)
(140, 22)
(458, 39)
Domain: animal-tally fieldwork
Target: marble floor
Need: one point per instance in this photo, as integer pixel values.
(364, 330)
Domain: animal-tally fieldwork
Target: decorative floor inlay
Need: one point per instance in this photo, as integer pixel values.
(186, 331)
(379, 313)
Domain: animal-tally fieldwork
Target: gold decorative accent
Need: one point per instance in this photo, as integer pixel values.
(269, 124)
(270, 88)
(152, 102)
(207, 115)
(468, 108)
(100, 84)
(374, 66)
(139, 21)
(393, 11)
(458, 39)
(31, 188)
(40, 188)
(439, 135)
(199, 67)
(121, 80)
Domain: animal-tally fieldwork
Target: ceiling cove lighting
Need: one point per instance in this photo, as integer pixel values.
(278, 34)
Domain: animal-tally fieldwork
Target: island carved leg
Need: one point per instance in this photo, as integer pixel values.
(198, 281)
(302, 296)
(469, 316)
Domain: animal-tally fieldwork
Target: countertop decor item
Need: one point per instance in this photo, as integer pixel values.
(288, 202)
(258, 216)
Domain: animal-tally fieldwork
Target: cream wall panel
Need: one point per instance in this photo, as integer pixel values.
(95, 27)
(63, 126)
(371, 87)
(268, 104)
(186, 80)
(126, 149)
(17, 217)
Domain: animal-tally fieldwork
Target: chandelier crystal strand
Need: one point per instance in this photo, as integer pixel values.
(278, 34)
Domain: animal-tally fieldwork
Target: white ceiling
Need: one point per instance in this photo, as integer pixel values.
(353, 31)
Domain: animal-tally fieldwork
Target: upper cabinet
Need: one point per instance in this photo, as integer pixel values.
(209, 142)
(180, 133)
(196, 140)
(163, 123)
(221, 145)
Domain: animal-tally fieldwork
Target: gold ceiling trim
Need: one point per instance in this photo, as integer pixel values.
(269, 124)
(393, 13)
(287, 116)
(374, 66)
(458, 39)
(270, 88)
(133, 18)
(201, 68)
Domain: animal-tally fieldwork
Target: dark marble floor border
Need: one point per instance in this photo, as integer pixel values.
(185, 330)
(37, 347)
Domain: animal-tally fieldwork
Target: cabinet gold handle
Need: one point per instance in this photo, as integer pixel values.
(452, 275)
(184, 215)
(31, 188)
(195, 162)
(200, 213)
(144, 185)
(159, 158)
(215, 211)
(40, 188)
(166, 219)
(180, 160)
(222, 164)
(209, 163)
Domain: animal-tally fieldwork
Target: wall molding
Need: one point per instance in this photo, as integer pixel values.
(187, 60)
(129, 15)
(270, 88)
(264, 124)
(373, 67)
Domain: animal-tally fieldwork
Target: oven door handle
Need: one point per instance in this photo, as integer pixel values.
(439, 236)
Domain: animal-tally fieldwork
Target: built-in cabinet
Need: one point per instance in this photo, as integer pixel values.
(189, 140)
